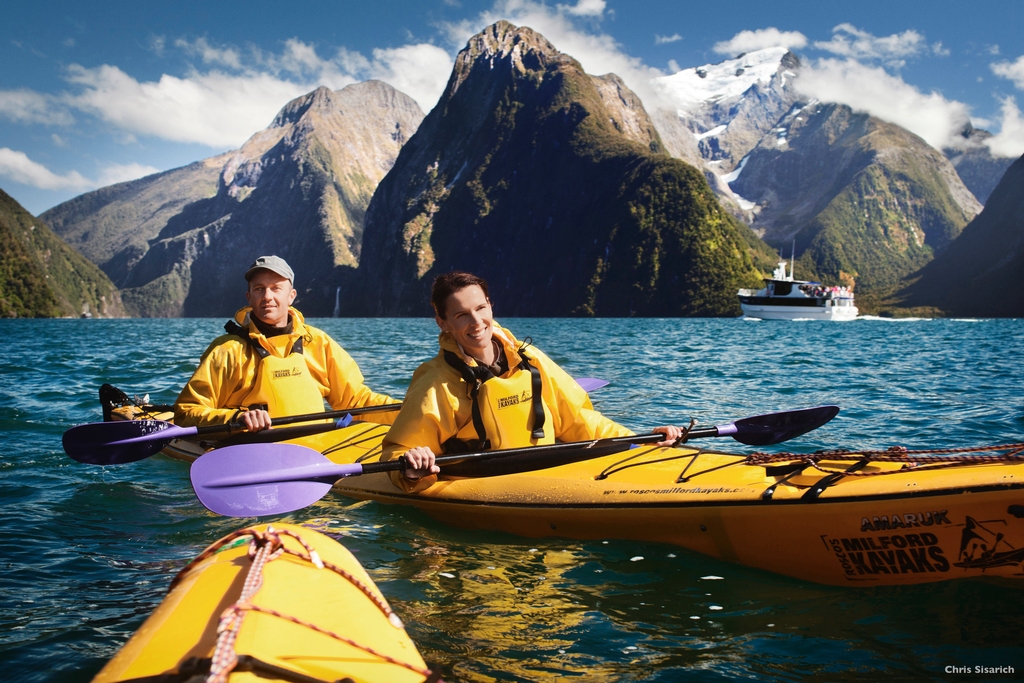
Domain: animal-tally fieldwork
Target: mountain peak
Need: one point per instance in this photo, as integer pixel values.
(524, 148)
(727, 79)
(523, 48)
(503, 38)
(321, 99)
(298, 188)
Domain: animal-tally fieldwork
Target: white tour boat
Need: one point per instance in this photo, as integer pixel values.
(784, 298)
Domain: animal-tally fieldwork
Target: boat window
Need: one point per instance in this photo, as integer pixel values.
(783, 288)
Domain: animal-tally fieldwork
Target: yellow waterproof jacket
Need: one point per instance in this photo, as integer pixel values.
(227, 374)
(438, 406)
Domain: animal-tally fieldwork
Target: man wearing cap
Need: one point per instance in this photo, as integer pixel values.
(270, 363)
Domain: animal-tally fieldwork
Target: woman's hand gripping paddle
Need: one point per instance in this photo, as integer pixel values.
(272, 479)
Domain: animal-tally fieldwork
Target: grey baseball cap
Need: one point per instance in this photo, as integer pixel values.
(275, 264)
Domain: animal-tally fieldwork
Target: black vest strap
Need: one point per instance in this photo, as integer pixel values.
(231, 327)
(475, 377)
(538, 387)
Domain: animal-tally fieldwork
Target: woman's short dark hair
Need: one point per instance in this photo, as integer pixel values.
(447, 284)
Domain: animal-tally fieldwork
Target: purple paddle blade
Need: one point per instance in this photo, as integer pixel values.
(116, 443)
(591, 383)
(264, 479)
(772, 428)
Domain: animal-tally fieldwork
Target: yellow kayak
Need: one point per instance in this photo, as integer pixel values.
(850, 519)
(279, 602)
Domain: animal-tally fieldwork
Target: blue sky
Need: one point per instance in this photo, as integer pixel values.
(98, 92)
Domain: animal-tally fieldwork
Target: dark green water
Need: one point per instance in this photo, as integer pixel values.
(86, 552)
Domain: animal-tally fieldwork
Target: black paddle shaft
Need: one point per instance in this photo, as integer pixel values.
(759, 430)
(585, 449)
(329, 415)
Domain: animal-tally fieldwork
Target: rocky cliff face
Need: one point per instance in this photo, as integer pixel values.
(864, 201)
(975, 164)
(42, 277)
(298, 189)
(981, 274)
(548, 182)
(113, 226)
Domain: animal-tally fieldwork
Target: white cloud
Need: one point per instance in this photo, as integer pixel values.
(28, 106)
(420, 71)
(661, 40)
(939, 50)
(157, 44)
(1011, 70)
(301, 59)
(223, 106)
(216, 109)
(849, 41)
(1009, 141)
(585, 8)
(873, 90)
(234, 92)
(748, 41)
(19, 168)
(228, 57)
(119, 173)
(222, 109)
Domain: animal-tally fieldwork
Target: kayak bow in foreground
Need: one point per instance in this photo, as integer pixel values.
(310, 612)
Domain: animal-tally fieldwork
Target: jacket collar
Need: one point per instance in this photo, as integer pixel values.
(244, 318)
(507, 340)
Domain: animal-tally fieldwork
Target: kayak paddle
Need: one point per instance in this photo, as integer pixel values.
(124, 441)
(591, 383)
(271, 479)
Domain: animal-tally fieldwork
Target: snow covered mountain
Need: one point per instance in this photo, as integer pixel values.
(728, 107)
(866, 201)
(721, 111)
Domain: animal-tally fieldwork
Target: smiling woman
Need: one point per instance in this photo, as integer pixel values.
(485, 390)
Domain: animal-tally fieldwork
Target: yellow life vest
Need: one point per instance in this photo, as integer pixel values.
(508, 412)
(283, 385)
